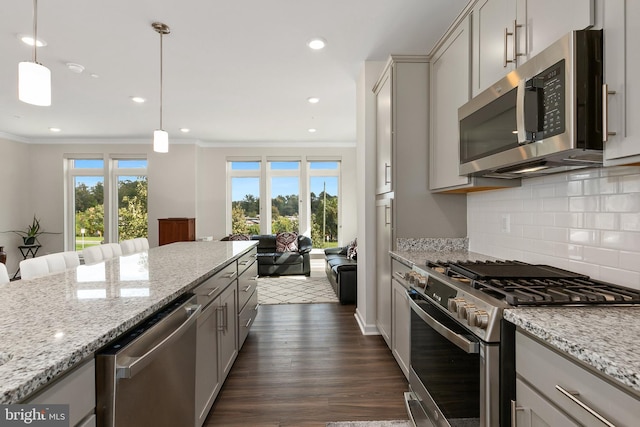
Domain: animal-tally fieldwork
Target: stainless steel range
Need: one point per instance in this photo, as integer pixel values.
(461, 354)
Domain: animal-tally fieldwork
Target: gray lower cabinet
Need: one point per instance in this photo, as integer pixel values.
(383, 267)
(554, 390)
(247, 296)
(217, 339)
(76, 389)
(207, 376)
(400, 316)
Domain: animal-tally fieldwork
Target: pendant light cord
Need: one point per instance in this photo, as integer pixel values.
(161, 81)
(35, 31)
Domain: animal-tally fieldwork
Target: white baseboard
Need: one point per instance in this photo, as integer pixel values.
(365, 329)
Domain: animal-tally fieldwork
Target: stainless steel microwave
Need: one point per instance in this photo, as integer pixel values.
(545, 116)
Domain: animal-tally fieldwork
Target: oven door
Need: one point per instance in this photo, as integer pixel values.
(446, 367)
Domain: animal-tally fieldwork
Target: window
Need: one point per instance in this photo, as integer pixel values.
(106, 199)
(301, 196)
(324, 206)
(285, 196)
(245, 197)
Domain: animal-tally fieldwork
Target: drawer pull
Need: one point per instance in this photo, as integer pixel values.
(248, 323)
(246, 289)
(572, 396)
(231, 275)
(514, 410)
(245, 262)
(399, 274)
(254, 278)
(256, 307)
(213, 291)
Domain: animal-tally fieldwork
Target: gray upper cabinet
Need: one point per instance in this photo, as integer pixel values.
(384, 123)
(450, 66)
(622, 65)
(507, 33)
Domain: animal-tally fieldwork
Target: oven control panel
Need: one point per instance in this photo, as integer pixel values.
(460, 301)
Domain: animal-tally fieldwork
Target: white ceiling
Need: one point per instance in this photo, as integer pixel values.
(234, 70)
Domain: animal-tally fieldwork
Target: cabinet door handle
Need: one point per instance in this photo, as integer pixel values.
(245, 262)
(605, 112)
(213, 291)
(572, 395)
(220, 311)
(231, 275)
(514, 33)
(387, 215)
(246, 289)
(248, 323)
(387, 179)
(514, 410)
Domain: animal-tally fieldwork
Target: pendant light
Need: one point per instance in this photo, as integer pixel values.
(160, 136)
(34, 79)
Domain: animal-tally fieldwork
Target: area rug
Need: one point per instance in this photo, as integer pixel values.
(295, 290)
(394, 423)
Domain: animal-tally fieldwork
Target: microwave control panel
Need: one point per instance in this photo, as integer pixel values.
(545, 103)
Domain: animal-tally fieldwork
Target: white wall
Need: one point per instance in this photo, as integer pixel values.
(15, 213)
(586, 221)
(366, 199)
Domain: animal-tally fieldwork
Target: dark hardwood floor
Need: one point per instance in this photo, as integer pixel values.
(306, 365)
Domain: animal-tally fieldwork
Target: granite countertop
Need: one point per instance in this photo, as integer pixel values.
(604, 338)
(50, 324)
(419, 258)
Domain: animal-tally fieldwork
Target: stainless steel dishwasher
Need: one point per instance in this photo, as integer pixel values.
(147, 376)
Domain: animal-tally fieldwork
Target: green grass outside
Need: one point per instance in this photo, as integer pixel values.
(88, 241)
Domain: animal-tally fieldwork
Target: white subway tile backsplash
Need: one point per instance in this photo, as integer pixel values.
(630, 221)
(586, 220)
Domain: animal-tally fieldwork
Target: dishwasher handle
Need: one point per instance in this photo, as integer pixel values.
(137, 364)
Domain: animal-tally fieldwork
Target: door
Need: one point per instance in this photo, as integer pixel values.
(449, 90)
(384, 134)
(207, 377)
(227, 329)
(493, 41)
(384, 234)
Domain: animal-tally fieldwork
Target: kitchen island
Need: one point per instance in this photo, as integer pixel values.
(51, 324)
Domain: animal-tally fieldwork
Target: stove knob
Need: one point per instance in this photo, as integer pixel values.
(454, 304)
(467, 310)
(479, 318)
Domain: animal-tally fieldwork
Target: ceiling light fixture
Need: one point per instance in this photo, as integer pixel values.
(138, 99)
(28, 40)
(312, 130)
(34, 79)
(185, 130)
(313, 100)
(317, 43)
(160, 136)
(76, 68)
(55, 129)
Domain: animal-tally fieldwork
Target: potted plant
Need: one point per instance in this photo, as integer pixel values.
(30, 235)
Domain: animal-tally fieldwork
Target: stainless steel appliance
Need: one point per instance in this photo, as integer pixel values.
(147, 376)
(462, 361)
(545, 116)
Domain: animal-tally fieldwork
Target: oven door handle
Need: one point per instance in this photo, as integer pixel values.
(461, 342)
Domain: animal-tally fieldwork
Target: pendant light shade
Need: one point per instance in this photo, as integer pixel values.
(34, 80)
(34, 84)
(160, 141)
(160, 136)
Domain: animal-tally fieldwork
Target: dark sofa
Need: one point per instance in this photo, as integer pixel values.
(273, 263)
(342, 272)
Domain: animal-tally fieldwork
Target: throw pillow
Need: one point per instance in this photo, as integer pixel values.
(352, 250)
(287, 242)
(239, 237)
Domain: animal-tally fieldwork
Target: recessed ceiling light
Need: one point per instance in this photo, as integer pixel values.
(76, 68)
(94, 75)
(185, 130)
(138, 99)
(55, 129)
(317, 43)
(29, 40)
(313, 100)
(312, 130)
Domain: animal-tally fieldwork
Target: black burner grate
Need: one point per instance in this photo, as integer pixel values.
(526, 284)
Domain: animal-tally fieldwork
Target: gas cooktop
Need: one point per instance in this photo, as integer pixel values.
(519, 283)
